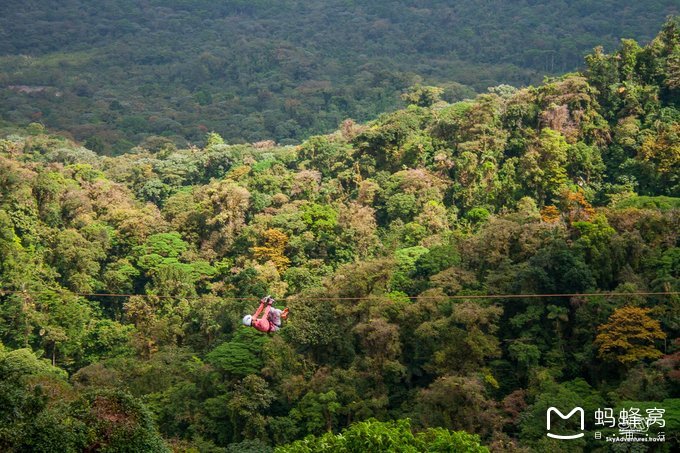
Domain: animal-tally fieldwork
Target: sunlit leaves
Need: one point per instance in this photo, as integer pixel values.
(629, 336)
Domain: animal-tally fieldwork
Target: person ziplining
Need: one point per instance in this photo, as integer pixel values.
(271, 317)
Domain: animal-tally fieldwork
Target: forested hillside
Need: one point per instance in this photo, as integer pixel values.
(115, 73)
(412, 251)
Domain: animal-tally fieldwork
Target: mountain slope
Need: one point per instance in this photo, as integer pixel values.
(118, 72)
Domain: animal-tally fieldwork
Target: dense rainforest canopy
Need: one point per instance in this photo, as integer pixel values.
(123, 279)
(116, 72)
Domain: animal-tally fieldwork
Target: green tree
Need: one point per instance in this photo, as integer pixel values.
(118, 422)
(77, 260)
(542, 166)
(241, 356)
(372, 435)
(423, 96)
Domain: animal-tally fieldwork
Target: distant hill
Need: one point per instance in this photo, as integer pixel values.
(114, 73)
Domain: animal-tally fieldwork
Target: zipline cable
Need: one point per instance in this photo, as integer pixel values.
(457, 296)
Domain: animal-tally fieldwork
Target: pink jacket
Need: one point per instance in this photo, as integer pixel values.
(270, 320)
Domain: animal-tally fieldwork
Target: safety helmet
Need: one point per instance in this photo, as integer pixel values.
(247, 320)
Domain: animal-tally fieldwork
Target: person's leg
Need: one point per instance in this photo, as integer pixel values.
(259, 309)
